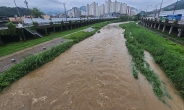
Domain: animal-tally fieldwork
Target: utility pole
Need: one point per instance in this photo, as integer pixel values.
(17, 8)
(175, 7)
(18, 12)
(160, 8)
(156, 10)
(63, 5)
(65, 10)
(28, 9)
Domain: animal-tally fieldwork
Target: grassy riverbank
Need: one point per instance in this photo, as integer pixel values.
(168, 55)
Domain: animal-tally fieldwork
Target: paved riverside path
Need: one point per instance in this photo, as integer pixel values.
(5, 61)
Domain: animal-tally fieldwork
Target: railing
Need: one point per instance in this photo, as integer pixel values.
(55, 22)
(34, 32)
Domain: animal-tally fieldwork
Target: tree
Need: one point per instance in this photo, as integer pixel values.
(124, 17)
(11, 28)
(36, 12)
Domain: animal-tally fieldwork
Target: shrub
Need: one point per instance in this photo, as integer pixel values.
(11, 29)
(35, 26)
(175, 22)
(51, 23)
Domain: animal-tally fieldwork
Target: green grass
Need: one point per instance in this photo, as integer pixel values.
(168, 55)
(32, 62)
(17, 46)
(174, 36)
(135, 73)
(136, 48)
(75, 36)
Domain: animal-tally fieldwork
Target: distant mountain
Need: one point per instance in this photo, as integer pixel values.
(53, 13)
(49, 12)
(133, 8)
(180, 5)
(12, 11)
(83, 8)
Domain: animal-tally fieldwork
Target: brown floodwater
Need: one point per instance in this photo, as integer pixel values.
(94, 74)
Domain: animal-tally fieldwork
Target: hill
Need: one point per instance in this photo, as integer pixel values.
(12, 11)
(83, 8)
(180, 5)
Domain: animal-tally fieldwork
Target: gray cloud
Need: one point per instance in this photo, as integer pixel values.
(46, 4)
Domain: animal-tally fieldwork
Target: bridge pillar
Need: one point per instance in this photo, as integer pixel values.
(151, 25)
(45, 31)
(155, 25)
(23, 34)
(75, 24)
(61, 28)
(66, 26)
(171, 28)
(180, 32)
(159, 27)
(71, 26)
(54, 29)
(163, 28)
(1, 42)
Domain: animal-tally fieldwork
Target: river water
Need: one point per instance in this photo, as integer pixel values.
(94, 74)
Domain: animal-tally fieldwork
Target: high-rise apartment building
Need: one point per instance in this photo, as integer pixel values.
(92, 9)
(109, 9)
(75, 13)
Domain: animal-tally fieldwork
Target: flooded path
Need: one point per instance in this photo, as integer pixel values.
(94, 74)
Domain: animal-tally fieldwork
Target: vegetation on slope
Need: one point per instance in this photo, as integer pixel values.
(167, 54)
(139, 64)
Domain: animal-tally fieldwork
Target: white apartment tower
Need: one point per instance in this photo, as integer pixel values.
(123, 8)
(118, 7)
(92, 9)
(110, 8)
(101, 10)
(128, 12)
(75, 13)
(107, 6)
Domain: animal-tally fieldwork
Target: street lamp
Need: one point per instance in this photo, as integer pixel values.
(28, 9)
(147, 10)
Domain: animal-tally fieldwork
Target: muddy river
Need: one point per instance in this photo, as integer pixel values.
(94, 74)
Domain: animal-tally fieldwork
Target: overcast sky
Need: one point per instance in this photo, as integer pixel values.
(49, 5)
